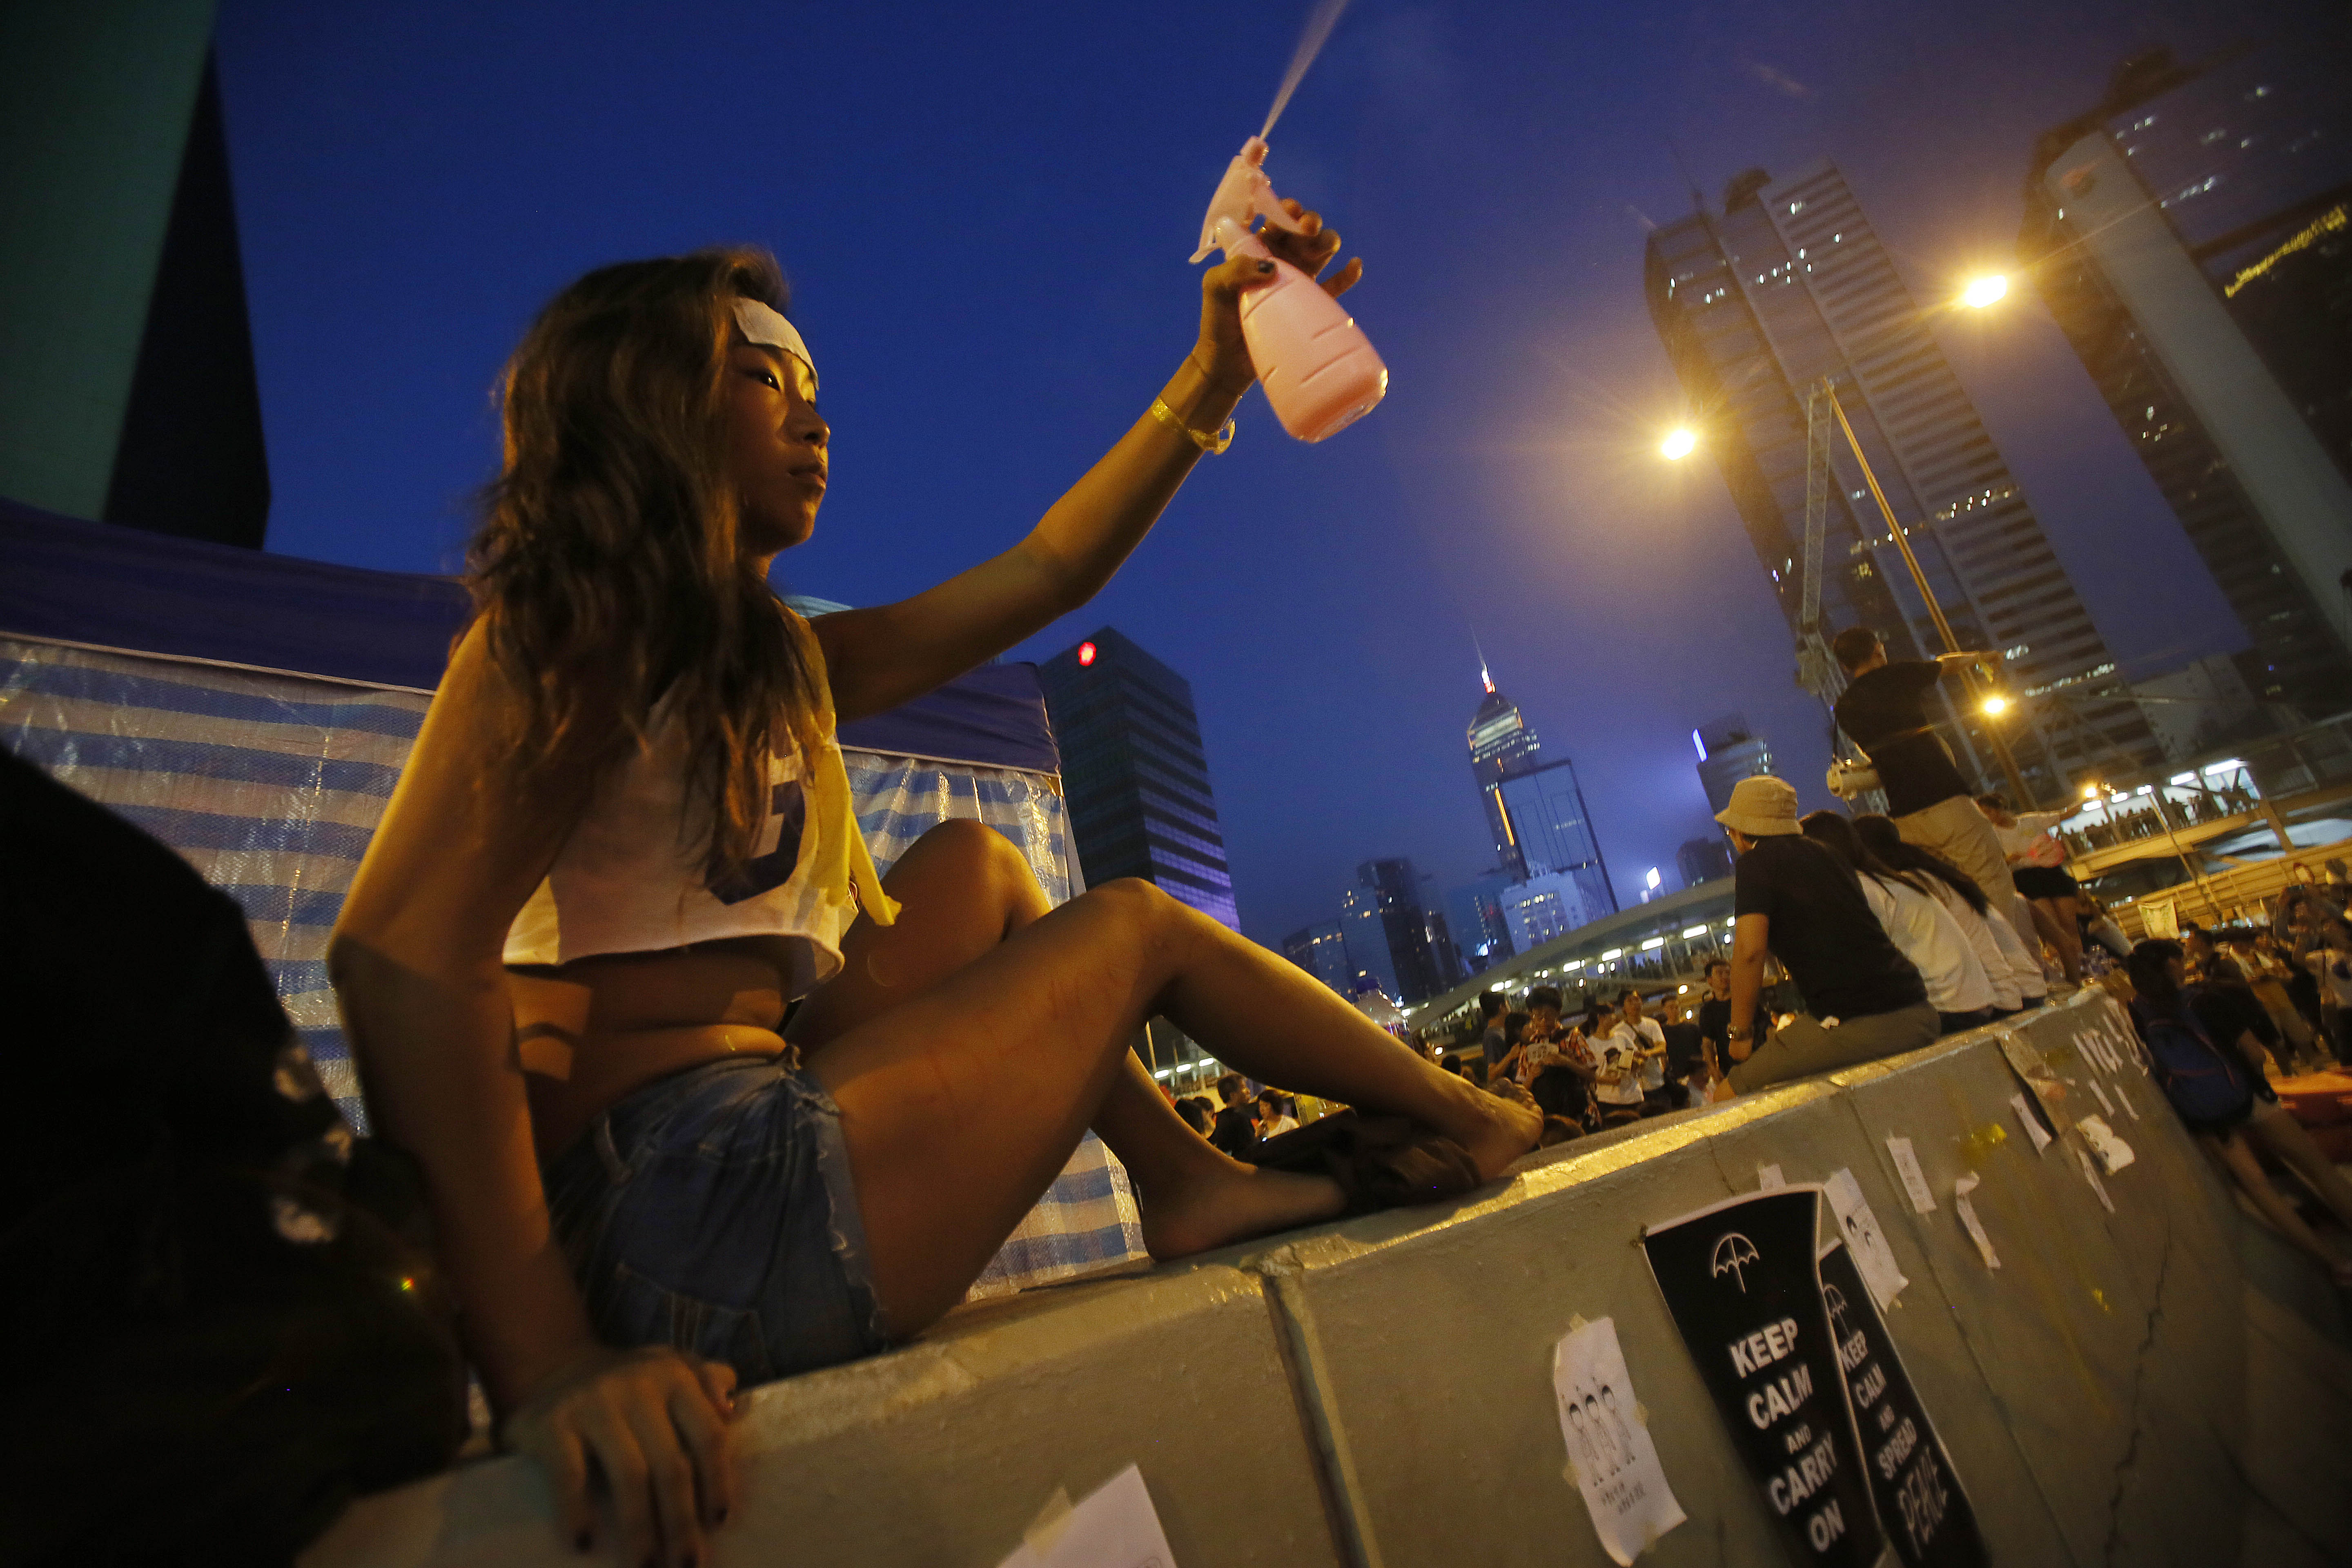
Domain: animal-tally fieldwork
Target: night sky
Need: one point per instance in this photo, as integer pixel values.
(985, 213)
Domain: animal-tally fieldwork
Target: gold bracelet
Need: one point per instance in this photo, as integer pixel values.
(1212, 445)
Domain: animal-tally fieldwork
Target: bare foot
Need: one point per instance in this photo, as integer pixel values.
(1231, 1202)
(1499, 1124)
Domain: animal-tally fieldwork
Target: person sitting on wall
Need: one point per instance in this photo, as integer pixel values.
(1793, 898)
(1884, 711)
(2017, 979)
(625, 844)
(1957, 986)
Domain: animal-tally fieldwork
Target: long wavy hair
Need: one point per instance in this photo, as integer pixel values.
(1883, 838)
(607, 567)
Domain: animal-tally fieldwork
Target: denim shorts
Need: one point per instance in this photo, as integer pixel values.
(713, 1210)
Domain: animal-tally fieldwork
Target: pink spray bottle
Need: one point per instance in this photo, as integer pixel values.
(1320, 371)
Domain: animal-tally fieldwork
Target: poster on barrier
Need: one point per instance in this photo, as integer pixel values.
(2034, 1071)
(1740, 1283)
(1609, 1448)
(1926, 1515)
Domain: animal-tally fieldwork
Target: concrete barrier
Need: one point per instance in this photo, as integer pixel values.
(1378, 1391)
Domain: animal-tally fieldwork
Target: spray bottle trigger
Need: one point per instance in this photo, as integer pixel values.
(1244, 193)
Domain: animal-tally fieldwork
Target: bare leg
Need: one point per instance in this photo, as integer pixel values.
(966, 1067)
(2281, 1136)
(964, 887)
(2248, 1172)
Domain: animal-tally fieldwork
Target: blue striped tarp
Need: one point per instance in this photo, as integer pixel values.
(270, 785)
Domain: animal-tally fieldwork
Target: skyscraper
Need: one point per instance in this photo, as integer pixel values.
(1387, 919)
(1703, 860)
(1534, 810)
(1322, 951)
(1727, 752)
(2190, 235)
(1134, 773)
(1480, 928)
(1789, 284)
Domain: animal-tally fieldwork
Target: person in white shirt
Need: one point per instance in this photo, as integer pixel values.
(1957, 986)
(1273, 1122)
(2017, 979)
(1634, 1050)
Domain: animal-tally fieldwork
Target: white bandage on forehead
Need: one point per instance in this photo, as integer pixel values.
(760, 324)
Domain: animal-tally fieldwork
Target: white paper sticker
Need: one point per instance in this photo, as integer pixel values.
(1915, 1180)
(2091, 1174)
(1769, 1177)
(2031, 1122)
(1865, 1242)
(2112, 1151)
(2104, 1103)
(1114, 1527)
(1610, 1453)
(1960, 1191)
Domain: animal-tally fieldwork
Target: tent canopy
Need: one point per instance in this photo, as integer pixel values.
(71, 580)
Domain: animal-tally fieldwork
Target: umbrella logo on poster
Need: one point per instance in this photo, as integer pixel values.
(1807, 1380)
(1732, 1254)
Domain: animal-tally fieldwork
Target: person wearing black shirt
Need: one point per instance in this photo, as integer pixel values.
(1715, 1013)
(1235, 1132)
(1798, 900)
(1885, 711)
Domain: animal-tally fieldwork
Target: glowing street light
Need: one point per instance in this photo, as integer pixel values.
(1995, 705)
(2090, 792)
(1983, 291)
(1679, 445)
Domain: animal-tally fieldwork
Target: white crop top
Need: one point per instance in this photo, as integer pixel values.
(632, 876)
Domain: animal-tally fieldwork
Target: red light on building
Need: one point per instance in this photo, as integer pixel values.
(1086, 653)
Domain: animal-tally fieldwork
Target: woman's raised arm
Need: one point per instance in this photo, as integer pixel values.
(881, 657)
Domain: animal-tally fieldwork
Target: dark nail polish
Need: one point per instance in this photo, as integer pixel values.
(1265, 267)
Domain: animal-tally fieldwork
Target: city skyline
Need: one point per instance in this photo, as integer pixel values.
(1316, 597)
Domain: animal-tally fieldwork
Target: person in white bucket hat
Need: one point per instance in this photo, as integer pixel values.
(1798, 901)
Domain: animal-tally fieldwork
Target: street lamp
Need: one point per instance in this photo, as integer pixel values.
(1995, 705)
(1983, 291)
(1679, 445)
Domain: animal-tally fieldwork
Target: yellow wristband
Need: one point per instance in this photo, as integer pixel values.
(1212, 445)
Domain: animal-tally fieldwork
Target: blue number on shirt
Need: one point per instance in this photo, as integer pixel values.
(788, 809)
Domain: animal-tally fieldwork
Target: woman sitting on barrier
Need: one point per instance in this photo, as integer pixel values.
(2212, 1086)
(623, 845)
(1957, 986)
(2017, 979)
